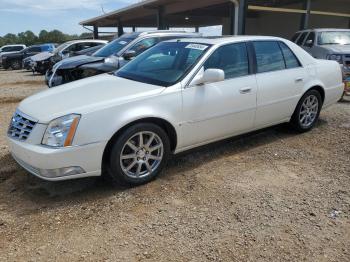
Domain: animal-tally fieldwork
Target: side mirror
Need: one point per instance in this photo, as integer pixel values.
(208, 76)
(129, 55)
(309, 43)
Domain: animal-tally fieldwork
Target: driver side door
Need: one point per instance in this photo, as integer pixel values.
(217, 110)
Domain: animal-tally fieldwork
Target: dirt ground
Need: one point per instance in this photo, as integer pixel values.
(269, 196)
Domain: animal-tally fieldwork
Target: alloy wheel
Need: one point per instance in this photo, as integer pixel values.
(308, 111)
(141, 154)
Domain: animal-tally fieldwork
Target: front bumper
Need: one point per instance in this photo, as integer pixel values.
(58, 164)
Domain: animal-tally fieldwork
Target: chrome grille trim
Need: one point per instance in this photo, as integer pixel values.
(21, 126)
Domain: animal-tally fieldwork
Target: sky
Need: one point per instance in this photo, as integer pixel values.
(21, 15)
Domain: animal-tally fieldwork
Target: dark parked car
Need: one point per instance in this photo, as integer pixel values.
(109, 58)
(15, 60)
(43, 62)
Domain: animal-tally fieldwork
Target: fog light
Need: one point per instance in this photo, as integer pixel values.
(61, 172)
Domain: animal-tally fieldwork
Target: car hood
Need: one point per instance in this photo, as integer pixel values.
(42, 56)
(77, 61)
(84, 96)
(339, 49)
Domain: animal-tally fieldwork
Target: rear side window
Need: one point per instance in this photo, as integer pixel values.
(12, 48)
(289, 57)
(269, 56)
(302, 38)
(34, 49)
(144, 44)
(295, 37)
(232, 59)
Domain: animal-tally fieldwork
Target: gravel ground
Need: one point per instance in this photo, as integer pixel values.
(269, 196)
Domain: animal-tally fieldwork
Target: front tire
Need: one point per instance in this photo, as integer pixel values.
(16, 65)
(307, 112)
(138, 155)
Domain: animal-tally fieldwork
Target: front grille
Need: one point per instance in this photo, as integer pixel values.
(20, 127)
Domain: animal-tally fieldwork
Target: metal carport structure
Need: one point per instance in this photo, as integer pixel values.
(235, 16)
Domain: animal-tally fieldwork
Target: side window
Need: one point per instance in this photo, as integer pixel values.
(289, 57)
(143, 45)
(232, 59)
(301, 38)
(268, 56)
(34, 49)
(295, 37)
(310, 40)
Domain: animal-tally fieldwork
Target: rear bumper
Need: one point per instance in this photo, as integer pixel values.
(58, 164)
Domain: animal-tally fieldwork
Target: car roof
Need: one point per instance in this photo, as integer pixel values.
(225, 39)
(86, 41)
(13, 45)
(324, 30)
(159, 32)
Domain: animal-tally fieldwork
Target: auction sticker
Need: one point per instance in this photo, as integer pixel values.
(123, 42)
(197, 46)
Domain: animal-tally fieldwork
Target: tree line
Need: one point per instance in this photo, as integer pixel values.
(28, 38)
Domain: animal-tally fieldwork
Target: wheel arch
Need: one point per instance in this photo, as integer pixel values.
(166, 125)
(318, 88)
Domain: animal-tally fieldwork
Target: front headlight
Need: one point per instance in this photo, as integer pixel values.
(335, 57)
(60, 132)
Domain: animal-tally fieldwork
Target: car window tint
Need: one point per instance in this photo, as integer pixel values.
(34, 49)
(232, 59)
(295, 37)
(289, 57)
(269, 56)
(143, 45)
(302, 38)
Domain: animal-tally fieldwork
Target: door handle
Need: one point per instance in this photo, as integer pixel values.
(245, 90)
(300, 79)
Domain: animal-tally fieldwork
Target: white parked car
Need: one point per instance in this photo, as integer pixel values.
(176, 96)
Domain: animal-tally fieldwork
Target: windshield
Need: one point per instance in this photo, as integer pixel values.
(165, 64)
(113, 47)
(60, 48)
(334, 38)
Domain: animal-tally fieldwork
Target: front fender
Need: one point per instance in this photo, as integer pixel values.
(101, 125)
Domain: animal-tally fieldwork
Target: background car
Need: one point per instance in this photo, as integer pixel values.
(111, 57)
(45, 61)
(176, 96)
(15, 60)
(26, 62)
(7, 49)
(330, 44)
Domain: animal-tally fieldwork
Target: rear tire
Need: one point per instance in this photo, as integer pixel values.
(307, 111)
(138, 155)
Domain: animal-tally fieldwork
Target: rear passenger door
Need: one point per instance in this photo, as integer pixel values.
(280, 79)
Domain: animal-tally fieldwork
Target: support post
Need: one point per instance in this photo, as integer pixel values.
(232, 18)
(134, 28)
(305, 18)
(95, 33)
(120, 28)
(160, 18)
(243, 10)
(197, 29)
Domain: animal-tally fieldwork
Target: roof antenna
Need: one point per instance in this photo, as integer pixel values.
(103, 11)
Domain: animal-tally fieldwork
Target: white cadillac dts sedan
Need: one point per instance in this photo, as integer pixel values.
(176, 96)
